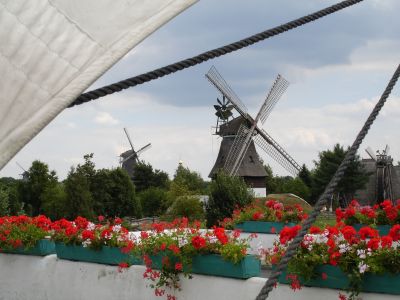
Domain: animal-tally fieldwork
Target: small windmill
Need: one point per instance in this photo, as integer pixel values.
(383, 173)
(223, 112)
(24, 174)
(240, 133)
(129, 159)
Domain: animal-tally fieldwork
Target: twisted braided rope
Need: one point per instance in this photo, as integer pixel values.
(290, 252)
(133, 81)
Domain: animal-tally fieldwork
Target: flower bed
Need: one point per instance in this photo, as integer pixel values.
(265, 217)
(187, 250)
(82, 240)
(341, 257)
(106, 255)
(25, 235)
(41, 248)
(328, 276)
(382, 215)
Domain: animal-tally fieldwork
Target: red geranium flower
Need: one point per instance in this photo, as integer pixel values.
(198, 242)
(178, 266)
(367, 232)
(394, 232)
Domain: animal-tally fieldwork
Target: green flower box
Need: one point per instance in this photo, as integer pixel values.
(215, 265)
(262, 227)
(382, 229)
(336, 279)
(106, 255)
(42, 248)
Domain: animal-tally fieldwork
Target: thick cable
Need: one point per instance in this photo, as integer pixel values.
(350, 155)
(186, 63)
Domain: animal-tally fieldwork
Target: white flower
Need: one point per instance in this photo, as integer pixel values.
(86, 243)
(361, 253)
(362, 267)
(90, 226)
(343, 248)
(117, 228)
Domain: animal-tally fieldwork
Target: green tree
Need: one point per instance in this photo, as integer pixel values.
(78, 196)
(4, 207)
(78, 189)
(270, 182)
(39, 178)
(306, 176)
(295, 186)
(226, 193)
(11, 188)
(355, 176)
(145, 177)
(54, 202)
(189, 180)
(154, 201)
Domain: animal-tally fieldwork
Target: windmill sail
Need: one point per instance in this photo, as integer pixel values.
(52, 50)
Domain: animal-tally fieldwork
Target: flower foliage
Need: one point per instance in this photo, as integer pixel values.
(168, 249)
(356, 253)
(85, 233)
(268, 211)
(22, 231)
(385, 213)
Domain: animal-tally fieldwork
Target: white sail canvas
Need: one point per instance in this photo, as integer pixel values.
(52, 50)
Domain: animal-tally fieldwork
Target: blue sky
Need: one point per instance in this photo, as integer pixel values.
(337, 66)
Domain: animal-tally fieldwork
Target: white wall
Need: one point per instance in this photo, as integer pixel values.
(48, 278)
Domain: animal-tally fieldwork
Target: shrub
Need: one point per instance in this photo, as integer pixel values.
(187, 206)
(153, 201)
(226, 194)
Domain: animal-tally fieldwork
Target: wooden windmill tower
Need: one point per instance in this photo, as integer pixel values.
(237, 154)
(130, 158)
(384, 181)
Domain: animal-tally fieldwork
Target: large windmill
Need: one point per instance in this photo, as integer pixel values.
(130, 158)
(237, 155)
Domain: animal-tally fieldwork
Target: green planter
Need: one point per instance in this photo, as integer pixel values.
(382, 229)
(215, 265)
(106, 255)
(336, 279)
(262, 227)
(42, 248)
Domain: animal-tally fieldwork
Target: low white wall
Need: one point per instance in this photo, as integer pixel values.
(262, 240)
(48, 278)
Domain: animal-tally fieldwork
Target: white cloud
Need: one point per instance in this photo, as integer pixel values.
(105, 118)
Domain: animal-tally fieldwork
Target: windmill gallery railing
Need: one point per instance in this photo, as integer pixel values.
(241, 44)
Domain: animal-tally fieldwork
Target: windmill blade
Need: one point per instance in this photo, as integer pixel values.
(279, 87)
(216, 79)
(273, 149)
(371, 153)
(217, 107)
(238, 150)
(129, 138)
(20, 166)
(143, 149)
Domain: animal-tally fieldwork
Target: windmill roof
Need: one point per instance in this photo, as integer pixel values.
(251, 165)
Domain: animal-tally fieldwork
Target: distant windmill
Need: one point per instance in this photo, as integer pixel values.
(25, 173)
(383, 173)
(237, 154)
(129, 159)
